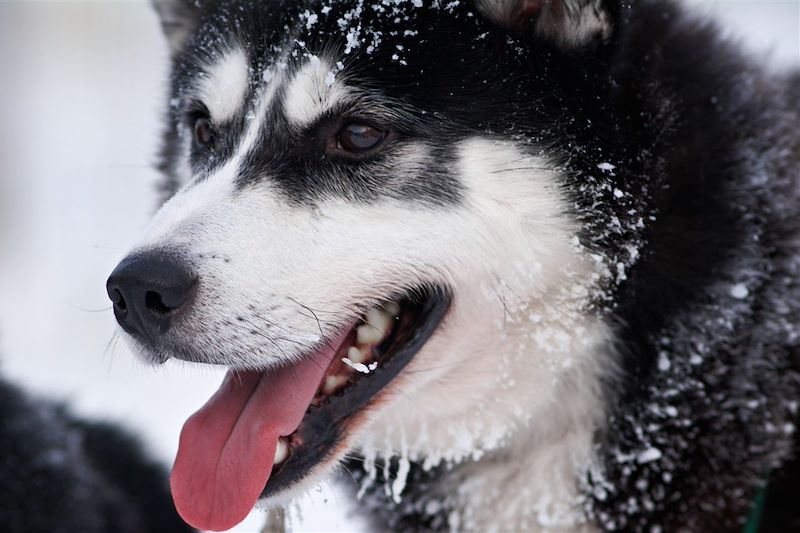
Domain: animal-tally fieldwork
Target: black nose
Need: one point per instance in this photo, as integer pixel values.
(148, 289)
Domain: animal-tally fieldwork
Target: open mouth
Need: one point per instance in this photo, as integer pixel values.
(264, 431)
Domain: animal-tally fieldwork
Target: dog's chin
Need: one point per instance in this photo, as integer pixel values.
(269, 433)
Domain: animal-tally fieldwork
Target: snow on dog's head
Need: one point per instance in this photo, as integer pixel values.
(364, 223)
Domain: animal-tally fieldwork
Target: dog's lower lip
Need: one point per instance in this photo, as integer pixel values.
(324, 424)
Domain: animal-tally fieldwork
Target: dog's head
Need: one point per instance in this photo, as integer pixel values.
(375, 224)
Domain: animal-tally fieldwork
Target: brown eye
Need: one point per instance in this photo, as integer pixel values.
(359, 138)
(203, 134)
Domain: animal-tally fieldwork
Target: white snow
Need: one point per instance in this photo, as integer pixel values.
(739, 291)
(360, 367)
(663, 362)
(648, 456)
(399, 483)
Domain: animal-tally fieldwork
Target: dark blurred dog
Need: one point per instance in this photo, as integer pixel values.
(63, 474)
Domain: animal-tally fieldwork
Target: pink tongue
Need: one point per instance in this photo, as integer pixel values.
(227, 448)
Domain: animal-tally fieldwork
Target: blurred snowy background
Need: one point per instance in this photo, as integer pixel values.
(81, 86)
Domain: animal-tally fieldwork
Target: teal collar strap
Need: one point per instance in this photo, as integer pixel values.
(754, 518)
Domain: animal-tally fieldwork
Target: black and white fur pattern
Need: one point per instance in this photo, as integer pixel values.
(608, 189)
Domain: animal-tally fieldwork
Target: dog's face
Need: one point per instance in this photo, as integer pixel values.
(368, 233)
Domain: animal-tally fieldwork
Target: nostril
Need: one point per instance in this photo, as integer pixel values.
(154, 302)
(117, 299)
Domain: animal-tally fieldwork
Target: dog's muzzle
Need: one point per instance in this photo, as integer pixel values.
(148, 290)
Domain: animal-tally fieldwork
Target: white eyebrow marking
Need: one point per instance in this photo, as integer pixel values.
(313, 90)
(224, 86)
(208, 194)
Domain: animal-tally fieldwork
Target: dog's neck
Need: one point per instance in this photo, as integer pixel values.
(530, 484)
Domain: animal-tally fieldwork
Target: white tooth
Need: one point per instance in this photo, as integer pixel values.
(379, 319)
(281, 451)
(368, 334)
(356, 355)
(333, 383)
(393, 308)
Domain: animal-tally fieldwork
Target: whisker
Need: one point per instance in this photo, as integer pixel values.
(86, 310)
(111, 345)
(517, 169)
(431, 368)
(319, 325)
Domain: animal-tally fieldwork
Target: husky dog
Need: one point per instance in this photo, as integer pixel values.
(534, 263)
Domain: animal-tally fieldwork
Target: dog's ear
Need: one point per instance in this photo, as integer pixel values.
(568, 23)
(178, 20)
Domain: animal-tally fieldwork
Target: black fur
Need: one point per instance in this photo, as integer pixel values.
(726, 208)
(681, 158)
(62, 474)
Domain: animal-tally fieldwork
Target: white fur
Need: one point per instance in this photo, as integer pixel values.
(579, 28)
(513, 374)
(224, 86)
(312, 91)
(574, 24)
